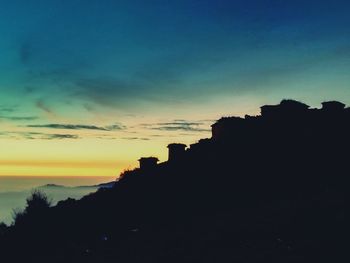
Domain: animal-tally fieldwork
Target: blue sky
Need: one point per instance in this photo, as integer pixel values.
(137, 64)
(111, 53)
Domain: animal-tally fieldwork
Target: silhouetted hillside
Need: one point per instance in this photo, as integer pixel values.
(267, 188)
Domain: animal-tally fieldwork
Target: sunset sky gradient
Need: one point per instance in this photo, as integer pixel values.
(88, 87)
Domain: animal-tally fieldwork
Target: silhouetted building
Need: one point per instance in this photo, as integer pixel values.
(333, 106)
(286, 108)
(148, 162)
(200, 146)
(230, 128)
(176, 151)
(227, 127)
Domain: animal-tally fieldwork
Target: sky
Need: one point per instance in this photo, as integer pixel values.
(89, 86)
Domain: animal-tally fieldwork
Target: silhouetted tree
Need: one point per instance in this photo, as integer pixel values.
(36, 204)
(37, 201)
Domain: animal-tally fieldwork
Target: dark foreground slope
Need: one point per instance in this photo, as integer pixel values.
(269, 188)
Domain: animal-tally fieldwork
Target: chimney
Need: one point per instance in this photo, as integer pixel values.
(147, 163)
(176, 151)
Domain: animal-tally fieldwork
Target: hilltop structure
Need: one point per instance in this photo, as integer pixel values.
(333, 106)
(147, 163)
(288, 114)
(287, 117)
(176, 151)
(287, 108)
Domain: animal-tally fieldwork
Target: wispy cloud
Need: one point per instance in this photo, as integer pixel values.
(179, 125)
(19, 118)
(115, 127)
(6, 109)
(60, 136)
(180, 128)
(41, 104)
(67, 127)
(135, 138)
(12, 113)
(37, 136)
(77, 127)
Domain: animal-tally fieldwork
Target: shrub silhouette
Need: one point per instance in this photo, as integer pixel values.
(37, 201)
(36, 204)
(3, 228)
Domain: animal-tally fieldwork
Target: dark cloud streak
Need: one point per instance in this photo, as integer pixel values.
(19, 118)
(178, 125)
(77, 127)
(7, 109)
(38, 136)
(42, 105)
